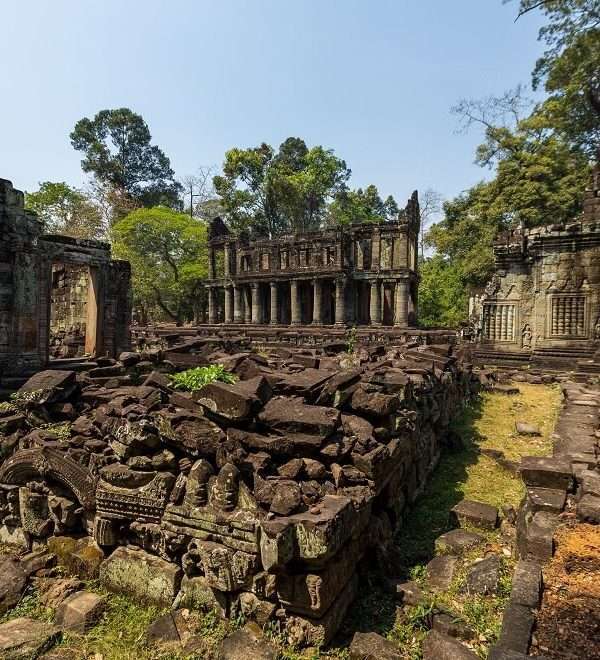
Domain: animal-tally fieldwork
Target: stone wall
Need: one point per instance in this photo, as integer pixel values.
(27, 260)
(258, 498)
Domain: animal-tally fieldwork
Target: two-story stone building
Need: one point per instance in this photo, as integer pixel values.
(360, 274)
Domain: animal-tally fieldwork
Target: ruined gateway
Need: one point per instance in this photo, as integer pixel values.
(31, 266)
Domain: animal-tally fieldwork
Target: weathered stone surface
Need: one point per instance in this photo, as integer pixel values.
(53, 591)
(440, 572)
(247, 642)
(476, 513)
(52, 385)
(170, 627)
(457, 541)
(546, 472)
(12, 583)
(374, 647)
(547, 499)
(588, 509)
(79, 611)
(374, 404)
(197, 594)
(408, 593)
(525, 428)
(450, 625)
(294, 416)
(143, 576)
(483, 577)
(540, 536)
(81, 557)
(517, 625)
(225, 400)
(26, 639)
(526, 584)
(442, 647)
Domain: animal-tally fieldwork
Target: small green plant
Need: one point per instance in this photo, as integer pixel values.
(20, 399)
(195, 379)
(6, 407)
(62, 430)
(352, 340)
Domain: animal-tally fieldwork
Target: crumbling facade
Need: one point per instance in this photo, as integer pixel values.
(544, 298)
(30, 284)
(361, 275)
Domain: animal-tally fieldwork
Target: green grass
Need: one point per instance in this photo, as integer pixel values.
(195, 379)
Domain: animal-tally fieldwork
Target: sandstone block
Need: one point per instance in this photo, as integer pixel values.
(373, 646)
(79, 612)
(442, 647)
(476, 513)
(24, 638)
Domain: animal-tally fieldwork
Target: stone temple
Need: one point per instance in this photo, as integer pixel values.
(365, 275)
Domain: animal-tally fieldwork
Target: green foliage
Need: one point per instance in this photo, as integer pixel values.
(351, 340)
(361, 206)
(194, 379)
(269, 193)
(169, 259)
(21, 399)
(443, 298)
(117, 150)
(65, 210)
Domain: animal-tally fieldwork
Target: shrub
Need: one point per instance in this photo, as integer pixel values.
(194, 379)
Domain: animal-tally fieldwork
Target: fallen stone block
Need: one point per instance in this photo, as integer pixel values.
(588, 509)
(143, 576)
(25, 639)
(80, 557)
(547, 499)
(484, 576)
(79, 612)
(457, 541)
(245, 643)
(13, 580)
(477, 514)
(517, 625)
(292, 415)
(540, 536)
(408, 593)
(51, 385)
(374, 647)
(170, 627)
(546, 472)
(442, 647)
(448, 624)
(197, 594)
(441, 571)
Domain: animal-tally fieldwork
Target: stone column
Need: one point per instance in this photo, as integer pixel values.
(401, 303)
(212, 308)
(274, 303)
(226, 260)
(375, 311)
(340, 302)
(247, 305)
(295, 303)
(317, 302)
(256, 311)
(211, 263)
(228, 300)
(238, 315)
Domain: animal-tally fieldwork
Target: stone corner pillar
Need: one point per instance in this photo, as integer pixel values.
(375, 307)
(317, 302)
(401, 304)
(247, 304)
(228, 305)
(340, 301)
(274, 303)
(295, 303)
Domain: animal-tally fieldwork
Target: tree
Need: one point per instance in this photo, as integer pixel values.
(569, 70)
(118, 151)
(200, 196)
(269, 193)
(360, 206)
(430, 206)
(66, 210)
(169, 259)
(443, 298)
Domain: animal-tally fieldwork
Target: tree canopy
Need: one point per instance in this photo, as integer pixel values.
(358, 206)
(169, 259)
(117, 150)
(66, 210)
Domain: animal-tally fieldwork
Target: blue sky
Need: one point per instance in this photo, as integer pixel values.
(372, 79)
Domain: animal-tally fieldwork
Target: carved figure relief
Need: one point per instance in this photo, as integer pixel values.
(526, 336)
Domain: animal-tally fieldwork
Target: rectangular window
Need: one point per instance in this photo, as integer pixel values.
(498, 322)
(330, 256)
(567, 318)
(265, 261)
(284, 259)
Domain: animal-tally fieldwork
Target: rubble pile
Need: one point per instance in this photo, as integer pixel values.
(257, 498)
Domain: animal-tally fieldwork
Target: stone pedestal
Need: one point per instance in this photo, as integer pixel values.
(274, 303)
(295, 303)
(375, 310)
(340, 302)
(317, 302)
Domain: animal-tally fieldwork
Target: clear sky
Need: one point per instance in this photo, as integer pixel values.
(372, 79)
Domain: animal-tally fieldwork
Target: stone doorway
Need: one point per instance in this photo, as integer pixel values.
(73, 330)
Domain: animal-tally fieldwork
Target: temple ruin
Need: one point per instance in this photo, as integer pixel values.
(542, 306)
(363, 275)
(59, 296)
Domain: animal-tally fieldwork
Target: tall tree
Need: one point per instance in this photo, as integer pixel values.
(169, 260)
(117, 150)
(268, 193)
(66, 210)
(360, 206)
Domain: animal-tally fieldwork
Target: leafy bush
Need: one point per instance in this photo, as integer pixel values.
(194, 379)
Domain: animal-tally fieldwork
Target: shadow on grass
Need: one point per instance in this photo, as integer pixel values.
(375, 609)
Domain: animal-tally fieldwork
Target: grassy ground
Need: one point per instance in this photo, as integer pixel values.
(464, 473)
